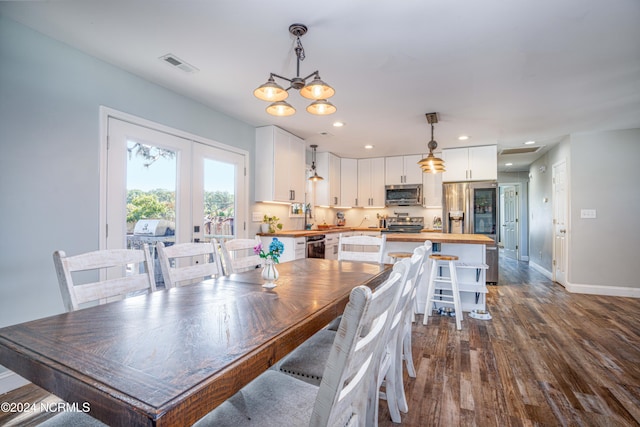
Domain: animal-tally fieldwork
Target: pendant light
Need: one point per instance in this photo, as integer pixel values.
(431, 163)
(316, 90)
(315, 176)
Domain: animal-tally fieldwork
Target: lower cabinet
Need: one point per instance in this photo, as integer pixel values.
(331, 245)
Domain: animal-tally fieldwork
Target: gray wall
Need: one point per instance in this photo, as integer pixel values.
(604, 176)
(541, 211)
(50, 96)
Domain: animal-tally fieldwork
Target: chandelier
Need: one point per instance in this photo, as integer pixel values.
(317, 90)
(432, 164)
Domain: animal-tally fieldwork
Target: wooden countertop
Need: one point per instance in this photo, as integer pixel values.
(435, 237)
(304, 233)
(474, 239)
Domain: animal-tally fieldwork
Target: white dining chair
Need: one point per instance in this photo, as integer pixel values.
(361, 248)
(186, 263)
(239, 256)
(307, 362)
(133, 268)
(342, 398)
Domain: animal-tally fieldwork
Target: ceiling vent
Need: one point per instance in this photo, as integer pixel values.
(174, 61)
(523, 150)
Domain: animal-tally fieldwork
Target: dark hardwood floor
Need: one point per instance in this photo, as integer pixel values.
(547, 358)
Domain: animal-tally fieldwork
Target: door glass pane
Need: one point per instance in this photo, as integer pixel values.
(151, 198)
(484, 209)
(219, 200)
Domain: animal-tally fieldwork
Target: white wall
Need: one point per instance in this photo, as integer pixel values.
(50, 96)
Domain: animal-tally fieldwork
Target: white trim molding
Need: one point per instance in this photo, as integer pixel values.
(612, 291)
(546, 273)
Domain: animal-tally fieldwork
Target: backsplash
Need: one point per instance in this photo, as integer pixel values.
(355, 217)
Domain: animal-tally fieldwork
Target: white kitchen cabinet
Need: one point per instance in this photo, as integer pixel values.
(403, 170)
(294, 247)
(331, 245)
(328, 190)
(371, 182)
(432, 189)
(470, 164)
(280, 166)
(349, 182)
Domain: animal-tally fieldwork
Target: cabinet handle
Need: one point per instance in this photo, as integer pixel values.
(356, 201)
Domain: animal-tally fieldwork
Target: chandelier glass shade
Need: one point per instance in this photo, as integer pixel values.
(431, 163)
(316, 89)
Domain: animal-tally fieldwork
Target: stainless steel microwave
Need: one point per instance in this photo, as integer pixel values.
(403, 195)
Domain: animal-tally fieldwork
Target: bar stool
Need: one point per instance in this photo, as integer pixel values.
(395, 256)
(434, 278)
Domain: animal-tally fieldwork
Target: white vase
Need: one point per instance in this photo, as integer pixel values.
(264, 228)
(269, 274)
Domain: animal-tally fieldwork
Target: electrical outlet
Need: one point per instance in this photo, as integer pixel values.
(257, 216)
(588, 213)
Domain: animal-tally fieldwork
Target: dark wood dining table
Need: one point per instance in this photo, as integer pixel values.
(170, 357)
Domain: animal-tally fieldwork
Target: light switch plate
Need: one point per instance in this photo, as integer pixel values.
(257, 216)
(588, 213)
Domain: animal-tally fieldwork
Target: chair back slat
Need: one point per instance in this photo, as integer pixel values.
(186, 263)
(361, 248)
(238, 255)
(133, 266)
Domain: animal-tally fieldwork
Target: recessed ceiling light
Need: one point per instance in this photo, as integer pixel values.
(508, 164)
(529, 143)
(368, 146)
(463, 137)
(338, 124)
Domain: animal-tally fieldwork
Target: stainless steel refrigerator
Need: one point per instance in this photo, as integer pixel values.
(472, 207)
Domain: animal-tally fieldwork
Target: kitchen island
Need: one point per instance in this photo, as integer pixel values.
(470, 248)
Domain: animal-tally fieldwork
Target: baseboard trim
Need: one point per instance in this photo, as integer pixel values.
(11, 381)
(546, 273)
(611, 291)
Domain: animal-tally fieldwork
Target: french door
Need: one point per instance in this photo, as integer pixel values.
(163, 186)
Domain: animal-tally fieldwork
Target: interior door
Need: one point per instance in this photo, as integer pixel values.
(560, 223)
(510, 221)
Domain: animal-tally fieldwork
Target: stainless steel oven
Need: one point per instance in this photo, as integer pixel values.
(315, 246)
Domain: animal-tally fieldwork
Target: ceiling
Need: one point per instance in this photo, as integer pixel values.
(502, 72)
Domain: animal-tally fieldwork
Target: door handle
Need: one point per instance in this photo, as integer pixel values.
(563, 231)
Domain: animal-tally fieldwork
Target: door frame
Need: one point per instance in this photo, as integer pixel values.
(567, 234)
(105, 113)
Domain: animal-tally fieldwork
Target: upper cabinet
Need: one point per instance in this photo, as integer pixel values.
(349, 182)
(403, 170)
(371, 182)
(328, 190)
(280, 166)
(471, 164)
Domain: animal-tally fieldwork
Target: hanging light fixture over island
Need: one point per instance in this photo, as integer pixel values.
(431, 163)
